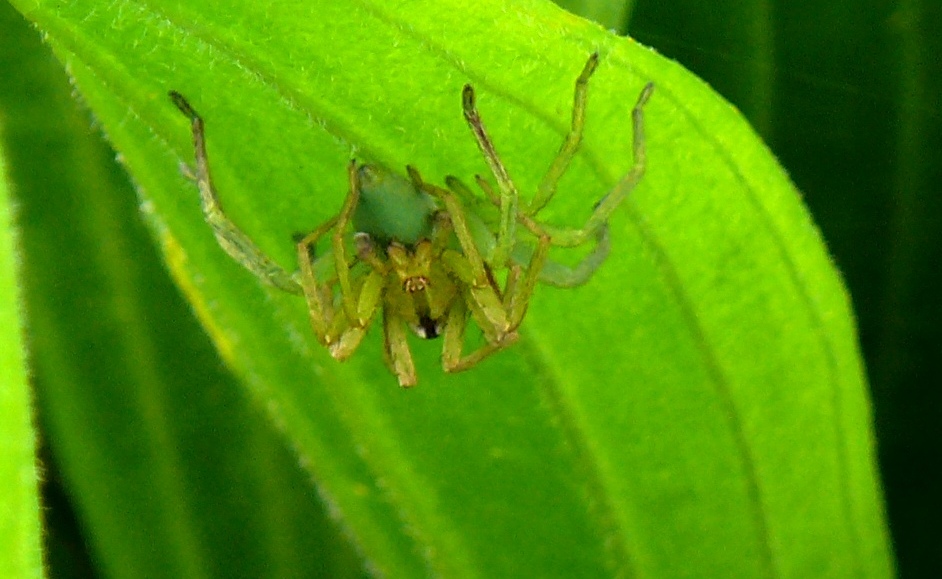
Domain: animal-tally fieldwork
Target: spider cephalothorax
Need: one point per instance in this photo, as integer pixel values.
(431, 258)
(426, 292)
(426, 275)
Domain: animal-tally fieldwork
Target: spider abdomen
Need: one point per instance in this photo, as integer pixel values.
(391, 209)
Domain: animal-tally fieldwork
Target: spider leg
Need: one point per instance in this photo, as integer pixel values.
(509, 198)
(558, 274)
(570, 145)
(341, 333)
(565, 276)
(553, 273)
(342, 261)
(468, 265)
(452, 358)
(396, 346)
(488, 190)
(518, 292)
(457, 222)
(350, 336)
(569, 237)
(319, 296)
(232, 239)
(465, 194)
(337, 332)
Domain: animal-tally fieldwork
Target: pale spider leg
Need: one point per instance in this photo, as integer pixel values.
(341, 334)
(570, 145)
(510, 286)
(332, 330)
(318, 296)
(468, 265)
(523, 292)
(452, 358)
(553, 273)
(488, 190)
(509, 198)
(438, 298)
(341, 260)
(466, 195)
(458, 224)
(371, 292)
(396, 346)
(232, 239)
(569, 237)
(566, 276)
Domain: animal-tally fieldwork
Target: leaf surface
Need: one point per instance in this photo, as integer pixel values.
(697, 408)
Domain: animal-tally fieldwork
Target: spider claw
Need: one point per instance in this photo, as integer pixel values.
(467, 100)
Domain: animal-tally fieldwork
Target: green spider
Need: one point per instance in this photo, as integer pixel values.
(420, 256)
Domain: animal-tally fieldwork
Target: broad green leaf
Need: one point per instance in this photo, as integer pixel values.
(19, 478)
(698, 408)
(171, 472)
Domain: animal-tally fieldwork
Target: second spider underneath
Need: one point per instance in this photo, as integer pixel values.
(419, 256)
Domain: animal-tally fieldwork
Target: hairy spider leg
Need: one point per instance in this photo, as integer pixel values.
(597, 224)
(396, 350)
(232, 239)
(452, 358)
(468, 265)
(498, 315)
(570, 145)
(553, 273)
(333, 328)
(342, 262)
(572, 237)
(509, 197)
(557, 274)
(508, 200)
(319, 296)
(341, 333)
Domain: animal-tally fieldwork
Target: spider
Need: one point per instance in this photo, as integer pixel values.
(429, 257)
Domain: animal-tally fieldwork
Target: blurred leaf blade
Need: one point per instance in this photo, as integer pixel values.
(20, 552)
(715, 257)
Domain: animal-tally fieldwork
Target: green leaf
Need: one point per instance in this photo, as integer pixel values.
(169, 468)
(697, 408)
(19, 507)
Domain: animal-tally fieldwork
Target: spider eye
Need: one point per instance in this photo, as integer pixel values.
(427, 328)
(415, 283)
